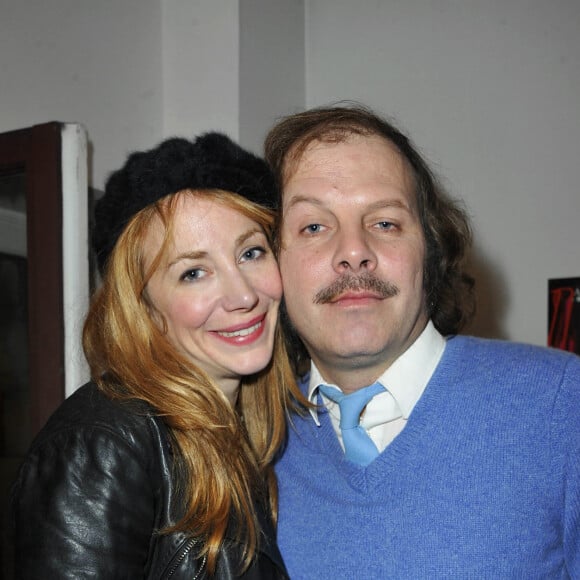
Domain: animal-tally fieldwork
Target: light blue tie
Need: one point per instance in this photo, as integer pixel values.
(358, 446)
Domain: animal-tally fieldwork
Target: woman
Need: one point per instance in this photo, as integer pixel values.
(161, 466)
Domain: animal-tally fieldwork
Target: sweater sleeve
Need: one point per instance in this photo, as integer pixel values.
(83, 507)
(567, 431)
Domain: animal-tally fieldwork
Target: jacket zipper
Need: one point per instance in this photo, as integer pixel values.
(188, 547)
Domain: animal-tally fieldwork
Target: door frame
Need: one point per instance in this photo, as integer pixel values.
(43, 153)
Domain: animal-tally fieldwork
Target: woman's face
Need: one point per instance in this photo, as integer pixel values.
(217, 287)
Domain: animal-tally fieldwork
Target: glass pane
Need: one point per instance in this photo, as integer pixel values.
(12, 192)
(14, 394)
(15, 428)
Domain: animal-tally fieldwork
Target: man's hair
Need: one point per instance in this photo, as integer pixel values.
(448, 288)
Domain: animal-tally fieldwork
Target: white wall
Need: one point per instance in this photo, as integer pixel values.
(490, 90)
(136, 71)
(272, 60)
(97, 63)
(231, 65)
(200, 66)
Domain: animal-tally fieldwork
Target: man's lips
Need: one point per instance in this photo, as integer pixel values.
(356, 298)
(356, 288)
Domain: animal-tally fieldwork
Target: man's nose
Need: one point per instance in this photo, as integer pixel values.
(353, 251)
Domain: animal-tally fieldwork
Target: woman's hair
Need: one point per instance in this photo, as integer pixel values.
(225, 454)
(448, 287)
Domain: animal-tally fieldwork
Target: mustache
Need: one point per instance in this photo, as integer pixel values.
(365, 281)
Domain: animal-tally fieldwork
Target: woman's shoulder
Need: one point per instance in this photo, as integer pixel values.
(89, 414)
(90, 486)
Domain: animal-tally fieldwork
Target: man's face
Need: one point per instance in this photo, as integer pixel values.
(352, 257)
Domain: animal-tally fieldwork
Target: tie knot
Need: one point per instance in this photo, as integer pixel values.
(351, 405)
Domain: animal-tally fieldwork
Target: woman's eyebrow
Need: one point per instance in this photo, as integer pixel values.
(201, 254)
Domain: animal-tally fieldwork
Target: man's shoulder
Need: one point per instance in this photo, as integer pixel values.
(513, 359)
(511, 349)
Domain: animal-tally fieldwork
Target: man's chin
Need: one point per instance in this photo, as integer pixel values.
(354, 356)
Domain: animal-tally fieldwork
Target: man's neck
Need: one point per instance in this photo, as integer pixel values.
(351, 374)
(350, 379)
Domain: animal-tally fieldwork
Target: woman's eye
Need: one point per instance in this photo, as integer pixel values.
(385, 225)
(192, 275)
(313, 228)
(253, 253)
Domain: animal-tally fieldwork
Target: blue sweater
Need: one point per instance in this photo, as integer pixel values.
(483, 482)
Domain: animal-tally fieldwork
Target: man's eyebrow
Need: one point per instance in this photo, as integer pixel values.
(387, 203)
(298, 199)
(381, 204)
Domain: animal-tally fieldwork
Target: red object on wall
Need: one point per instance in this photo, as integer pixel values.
(564, 314)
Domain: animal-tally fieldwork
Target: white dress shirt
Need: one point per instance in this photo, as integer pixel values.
(405, 380)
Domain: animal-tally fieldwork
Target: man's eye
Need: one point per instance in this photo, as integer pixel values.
(385, 225)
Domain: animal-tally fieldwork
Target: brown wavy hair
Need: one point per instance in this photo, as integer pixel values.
(224, 454)
(449, 289)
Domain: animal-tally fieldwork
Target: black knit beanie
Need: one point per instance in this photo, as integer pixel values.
(212, 161)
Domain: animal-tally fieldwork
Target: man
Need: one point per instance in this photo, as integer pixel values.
(466, 460)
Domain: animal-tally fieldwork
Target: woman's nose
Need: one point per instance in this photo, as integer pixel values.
(238, 292)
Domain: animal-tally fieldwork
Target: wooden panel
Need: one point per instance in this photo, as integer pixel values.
(37, 152)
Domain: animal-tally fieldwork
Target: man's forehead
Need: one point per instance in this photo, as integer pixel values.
(311, 160)
(295, 155)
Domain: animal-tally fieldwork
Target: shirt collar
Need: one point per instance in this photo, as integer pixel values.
(406, 378)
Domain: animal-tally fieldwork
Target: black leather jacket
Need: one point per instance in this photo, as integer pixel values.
(94, 488)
